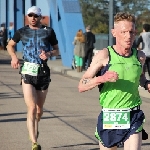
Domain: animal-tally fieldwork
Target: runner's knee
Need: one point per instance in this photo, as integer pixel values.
(38, 115)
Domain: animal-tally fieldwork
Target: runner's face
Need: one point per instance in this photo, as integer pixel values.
(125, 34)
(33, 19)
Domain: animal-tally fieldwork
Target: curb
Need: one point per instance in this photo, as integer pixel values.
(66, 71)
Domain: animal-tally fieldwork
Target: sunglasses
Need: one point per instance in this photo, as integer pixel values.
(33, 15)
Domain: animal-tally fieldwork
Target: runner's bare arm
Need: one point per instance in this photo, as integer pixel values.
(143, 81)
(89, 79)
(11, 50)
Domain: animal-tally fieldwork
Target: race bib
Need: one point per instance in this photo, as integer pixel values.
(30, 68)
(116, 118)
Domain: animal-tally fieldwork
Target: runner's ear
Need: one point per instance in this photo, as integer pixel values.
(113, 31)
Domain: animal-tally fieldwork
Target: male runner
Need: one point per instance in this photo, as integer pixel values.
(35, 73)
(117, 70)
(144, 38)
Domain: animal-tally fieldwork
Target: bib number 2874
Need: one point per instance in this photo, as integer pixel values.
(116, 119)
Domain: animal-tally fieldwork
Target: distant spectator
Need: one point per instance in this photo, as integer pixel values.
(79, 52)
(1, 48)
(1, 35)
(144, 38)
(134, 44)
(89, 46)
(4, 37)
(11, 32)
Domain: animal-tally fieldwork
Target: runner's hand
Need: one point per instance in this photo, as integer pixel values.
(148, 88)
(110, 76)
(15, 62)
(44, 55)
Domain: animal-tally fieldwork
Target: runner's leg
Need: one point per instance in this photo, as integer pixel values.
(127, 145)
(41, 96)
(36, 128)
(30, 100)
(105, 148)
(134, 142)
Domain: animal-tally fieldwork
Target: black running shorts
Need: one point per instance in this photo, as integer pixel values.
(41, 81)
(112, 137)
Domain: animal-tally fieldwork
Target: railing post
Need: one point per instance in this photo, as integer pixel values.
(18, 18)
(111, 20)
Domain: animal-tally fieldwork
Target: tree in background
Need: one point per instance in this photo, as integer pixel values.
(96, 12)
(140, 8)
(142, 19)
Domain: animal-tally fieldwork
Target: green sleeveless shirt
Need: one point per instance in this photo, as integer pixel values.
(124, 92)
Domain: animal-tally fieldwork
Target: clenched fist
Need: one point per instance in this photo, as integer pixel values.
(15, 62)
(110, 76)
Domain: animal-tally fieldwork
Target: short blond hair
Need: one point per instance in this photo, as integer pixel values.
(121, 16)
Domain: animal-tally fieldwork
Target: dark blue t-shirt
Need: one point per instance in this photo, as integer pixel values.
(35, 40)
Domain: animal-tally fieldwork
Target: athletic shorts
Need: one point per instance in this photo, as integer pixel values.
(111, 137)
(41, 81)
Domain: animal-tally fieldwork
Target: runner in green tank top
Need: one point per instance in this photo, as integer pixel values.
(117, 71)
(122, 96)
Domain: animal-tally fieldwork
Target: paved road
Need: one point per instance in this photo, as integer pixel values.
(69, 118)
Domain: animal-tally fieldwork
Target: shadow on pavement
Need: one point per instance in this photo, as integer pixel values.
(60, 116)
(145, 144)
(79, 145)
(5, 61)
(23, 119)
(10, 114)
(8, 61)
(13, 120)
(10, 95)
